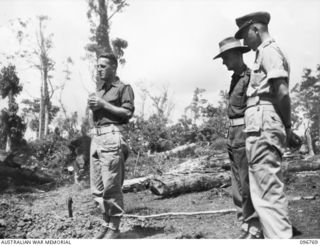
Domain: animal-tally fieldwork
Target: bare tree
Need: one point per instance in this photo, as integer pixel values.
(162, 102)
(67, 77)
(34, 51)
(105, 10)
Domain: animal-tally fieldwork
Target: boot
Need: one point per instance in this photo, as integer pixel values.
(104, 228)
(112, 234)
(101, 234)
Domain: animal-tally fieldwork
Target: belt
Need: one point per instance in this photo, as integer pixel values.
(106, 129)
(253, 101)
(237, 122)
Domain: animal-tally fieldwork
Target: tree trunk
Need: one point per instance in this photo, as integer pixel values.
(46, 98)
(102, 34)
(137, 184)
(41, 112)
(301, 165)
(8, 130)
(202, 174)
(46, 120)
(309, 142)
(9, 143)
(205, 165)
(208, 178)
(61, 103)
(171, 185)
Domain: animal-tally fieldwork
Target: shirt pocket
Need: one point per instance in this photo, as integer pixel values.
(253, 119)
(238, 96)
(113, 99)
(256, 78)
(256, 75)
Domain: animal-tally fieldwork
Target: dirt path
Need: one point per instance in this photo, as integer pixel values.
(45, 215)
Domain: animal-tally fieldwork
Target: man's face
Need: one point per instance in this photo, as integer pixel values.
(105, 69)
(251, 37)
(231, 59)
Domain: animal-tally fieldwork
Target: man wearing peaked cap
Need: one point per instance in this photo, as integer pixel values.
(231, 52)
(268, 124)
(246, 20)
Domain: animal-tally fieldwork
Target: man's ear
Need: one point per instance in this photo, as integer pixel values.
(255, 29)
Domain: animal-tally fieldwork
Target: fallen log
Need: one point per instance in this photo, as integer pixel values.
(137, 184)
(301, 165)
(202, 174)
(206, 164)
(171, 185)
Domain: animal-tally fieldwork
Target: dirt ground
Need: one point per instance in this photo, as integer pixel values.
(45, 215)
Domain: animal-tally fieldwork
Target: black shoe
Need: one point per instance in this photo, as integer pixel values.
(295, 232)
(243, 235)
(103, 231)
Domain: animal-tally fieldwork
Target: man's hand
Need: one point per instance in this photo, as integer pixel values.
(95, 102)
(293, 140)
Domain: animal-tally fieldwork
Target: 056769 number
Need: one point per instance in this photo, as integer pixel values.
(309, 241)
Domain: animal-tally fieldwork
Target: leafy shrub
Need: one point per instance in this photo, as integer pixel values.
(52, 154)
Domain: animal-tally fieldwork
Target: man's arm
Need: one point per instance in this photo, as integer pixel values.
(282, 100)
(283, 106)
(95, 102)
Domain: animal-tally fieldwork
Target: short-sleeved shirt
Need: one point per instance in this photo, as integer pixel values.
(118, 94)
(237, 94)
(270, 63)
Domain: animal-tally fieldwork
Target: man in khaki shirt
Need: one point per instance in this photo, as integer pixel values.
(112, 106)
(231, 53)
(268, 124)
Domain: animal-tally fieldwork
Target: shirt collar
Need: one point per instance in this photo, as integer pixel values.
(114, 83)
(245, 68)
(265, 43)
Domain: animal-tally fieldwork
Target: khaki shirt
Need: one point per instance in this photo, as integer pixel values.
(270, 63)
(237, 94)
(118, 94)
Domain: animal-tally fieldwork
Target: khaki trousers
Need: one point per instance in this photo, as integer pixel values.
(240, 180)
(265, 145)
(108, 153)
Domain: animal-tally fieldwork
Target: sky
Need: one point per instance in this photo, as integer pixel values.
(171, 44)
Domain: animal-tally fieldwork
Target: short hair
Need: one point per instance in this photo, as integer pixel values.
(110, 56)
